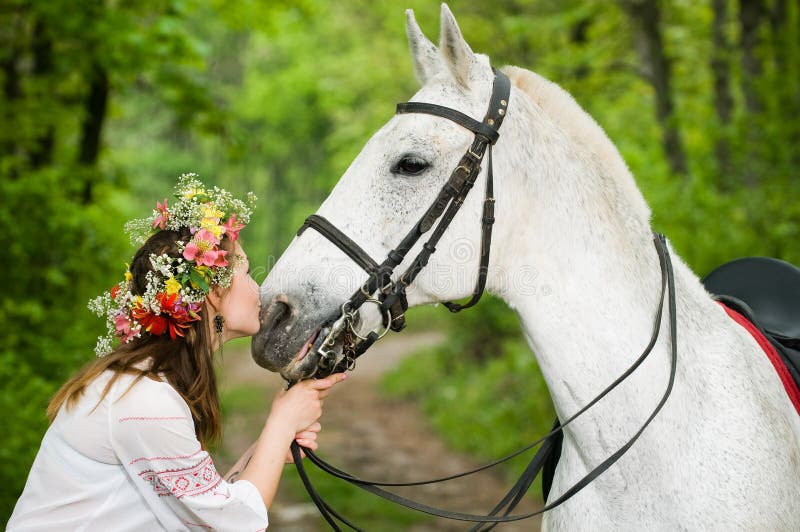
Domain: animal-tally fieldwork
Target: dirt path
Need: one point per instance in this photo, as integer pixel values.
(373, 437)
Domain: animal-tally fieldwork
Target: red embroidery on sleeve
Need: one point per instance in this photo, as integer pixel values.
(192, 481)
(154, 458)
(157, 418)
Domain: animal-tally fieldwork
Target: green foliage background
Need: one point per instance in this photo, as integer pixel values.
(104, 104)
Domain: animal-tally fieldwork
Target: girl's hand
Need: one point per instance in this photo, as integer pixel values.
(306, 438)
(298, 408)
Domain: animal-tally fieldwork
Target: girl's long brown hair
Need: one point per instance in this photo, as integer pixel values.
(186, 363)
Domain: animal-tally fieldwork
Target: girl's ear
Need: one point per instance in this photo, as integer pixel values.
(214, 299)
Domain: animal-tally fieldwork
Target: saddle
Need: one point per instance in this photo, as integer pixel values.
(766, 292)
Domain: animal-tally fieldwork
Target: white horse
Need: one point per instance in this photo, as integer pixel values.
(573, 255)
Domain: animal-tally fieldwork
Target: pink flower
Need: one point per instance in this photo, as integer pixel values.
(163, 215)
(220, 260)
(206, 236)
(232, 228)
(203, 250)
(122, 323)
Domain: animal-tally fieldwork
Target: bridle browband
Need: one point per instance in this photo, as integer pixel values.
(392, 302)
(391, 297)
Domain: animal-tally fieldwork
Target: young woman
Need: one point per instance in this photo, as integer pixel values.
(127, 447)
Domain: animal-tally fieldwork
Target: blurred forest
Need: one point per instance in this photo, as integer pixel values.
(103, 104)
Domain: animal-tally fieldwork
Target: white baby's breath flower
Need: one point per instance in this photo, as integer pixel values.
(103, 346)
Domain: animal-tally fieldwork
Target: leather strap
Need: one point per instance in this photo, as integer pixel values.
(488, 128)
(479, 128)
(486, 243)
(340, 240)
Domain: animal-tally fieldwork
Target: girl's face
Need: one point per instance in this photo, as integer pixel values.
(240, 303)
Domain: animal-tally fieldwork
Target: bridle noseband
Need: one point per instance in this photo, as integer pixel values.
(391, 293)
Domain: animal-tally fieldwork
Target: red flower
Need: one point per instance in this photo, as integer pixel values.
(162, 216)
(151, 323)
(175, 317)
(114, 291)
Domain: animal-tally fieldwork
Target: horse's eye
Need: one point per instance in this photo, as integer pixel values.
(410, 165)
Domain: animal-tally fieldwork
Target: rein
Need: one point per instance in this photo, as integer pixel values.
(515, 494)
(391, 300)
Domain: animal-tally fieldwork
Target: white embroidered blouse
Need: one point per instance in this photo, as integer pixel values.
(133, 463)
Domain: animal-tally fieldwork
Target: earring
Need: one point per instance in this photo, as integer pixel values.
(219, 323)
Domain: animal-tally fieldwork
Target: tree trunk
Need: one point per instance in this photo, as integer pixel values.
(646, 15)
(723, 100)
(750, 14)
(12, 92)
(579, 34)
(784, 80)
(95, 107)
(41, 152)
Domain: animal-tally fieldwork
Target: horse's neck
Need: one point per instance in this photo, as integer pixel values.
(585, 280)
(587, 315)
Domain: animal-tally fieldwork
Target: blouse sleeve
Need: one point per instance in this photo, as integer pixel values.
(152, 432)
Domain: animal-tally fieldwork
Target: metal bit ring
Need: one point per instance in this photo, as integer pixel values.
(388, 316)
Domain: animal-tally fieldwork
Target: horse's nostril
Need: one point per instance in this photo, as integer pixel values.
(274, 315)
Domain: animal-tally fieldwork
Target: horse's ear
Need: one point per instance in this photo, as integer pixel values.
(423, 52)
(458, 56)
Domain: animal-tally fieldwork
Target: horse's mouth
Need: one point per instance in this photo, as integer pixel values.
(307, 360)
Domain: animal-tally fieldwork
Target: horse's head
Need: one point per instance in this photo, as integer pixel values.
(384, 192)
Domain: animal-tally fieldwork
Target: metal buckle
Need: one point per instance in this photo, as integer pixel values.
(466, 170)
(475, 155)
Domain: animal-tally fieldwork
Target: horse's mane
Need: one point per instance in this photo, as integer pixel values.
(581, 127)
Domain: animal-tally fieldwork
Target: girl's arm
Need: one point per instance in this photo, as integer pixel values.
(294, 413)
(306, 438)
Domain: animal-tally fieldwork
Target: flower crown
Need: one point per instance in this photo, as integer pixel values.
(176, 287)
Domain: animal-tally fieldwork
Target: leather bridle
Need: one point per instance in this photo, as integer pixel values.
(392, 302)
(391, 293)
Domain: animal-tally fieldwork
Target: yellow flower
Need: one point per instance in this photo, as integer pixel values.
(212, 224)
(211, 211)
(172, 285)
(128, 276)
(211, 218)
(192, 192)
